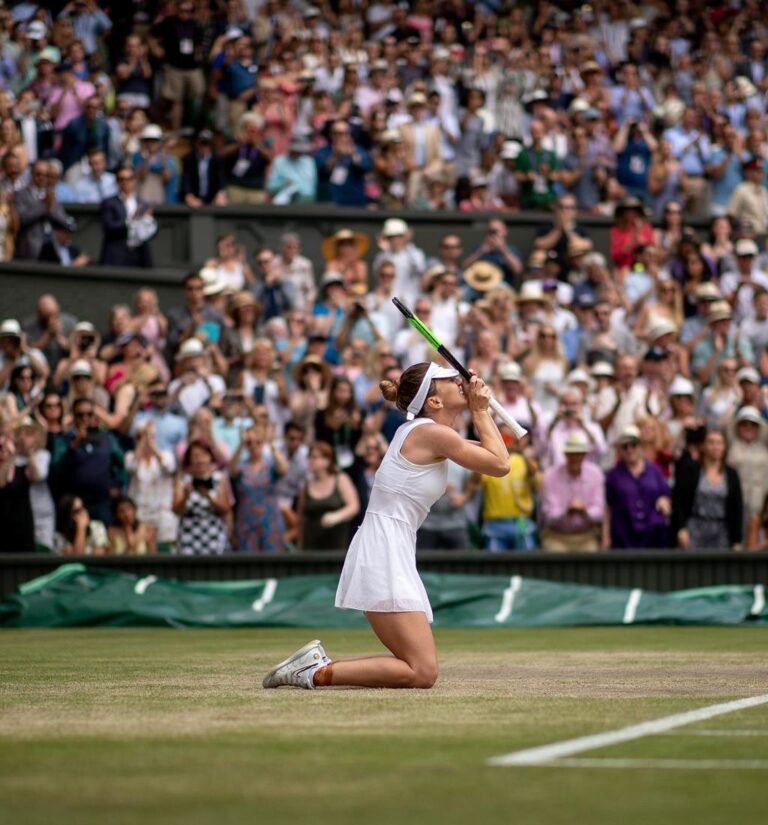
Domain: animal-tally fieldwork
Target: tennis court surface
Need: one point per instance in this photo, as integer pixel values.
(172, 726)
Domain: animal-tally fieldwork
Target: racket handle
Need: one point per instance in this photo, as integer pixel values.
(518, 431)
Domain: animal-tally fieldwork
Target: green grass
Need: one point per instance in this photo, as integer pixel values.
(140, 726)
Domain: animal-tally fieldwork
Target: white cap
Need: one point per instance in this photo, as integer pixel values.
(681, 386)
(510, 150)
(577, 376)
(36, 30)
(84, 326)
(749, 414)
(510, 372)
(151, 132)
(746, 246)
(602, 369)
(81, 367)
(748, 374)
(191, 348)
(10, 327)
(393, 227)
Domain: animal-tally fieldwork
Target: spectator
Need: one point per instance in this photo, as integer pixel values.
(134, 74)
(38, 212)
(558, 235)
(537, 171)
(89, 462)
(344, 253)
(168, 429)
(69, 98)
(724, 169)
(571, 416)
(258, 520)
(98, 184)
(128, 225)
(129, 535)
(637, 498)
(202, 181)
(298, 272)
(15, 503)
(77, 533)
(201, 499)
(634, 144)
(293, 176)
(739, 286)
(85, 131)
(49, 330)
(747, 454)
(629, 233)
(177, 41)
(239, 81)
(691, 147)
(196, 383)
(341, 168)
(246, 162)
(327, 502)
(396, 245)
(155, 169)
(545, 368)
(749, 201)
(572, 500)
(508, 502)
(718, 341)
(708, 508)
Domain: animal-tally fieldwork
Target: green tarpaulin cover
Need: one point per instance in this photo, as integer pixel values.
(78, 596)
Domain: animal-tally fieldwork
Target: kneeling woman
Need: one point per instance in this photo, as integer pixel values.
(379, 575)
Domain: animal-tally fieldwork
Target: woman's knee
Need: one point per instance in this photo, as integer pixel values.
(424, 675)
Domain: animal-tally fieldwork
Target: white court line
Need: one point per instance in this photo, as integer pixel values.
(557, 750)
(630, 611)
(713, 732)
(685, 764)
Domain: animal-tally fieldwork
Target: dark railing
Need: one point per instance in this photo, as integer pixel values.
(187, 237)
(651, 570)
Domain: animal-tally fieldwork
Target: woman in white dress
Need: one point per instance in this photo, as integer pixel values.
(379, 575)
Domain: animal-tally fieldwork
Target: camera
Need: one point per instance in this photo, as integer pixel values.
(202, 483)
(87, 341)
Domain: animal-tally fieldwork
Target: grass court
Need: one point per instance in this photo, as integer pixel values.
(144, 726)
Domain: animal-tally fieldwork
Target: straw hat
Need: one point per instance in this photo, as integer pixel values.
(394, 227)
(311, 361)
(510, 372)
(329, 244)
(576, 443)
(720, 311)
(243, 299)
(483, 276)
(531, 291)
(660, 328)
(629, 434)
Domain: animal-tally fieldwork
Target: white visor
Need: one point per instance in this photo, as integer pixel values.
(433, 371)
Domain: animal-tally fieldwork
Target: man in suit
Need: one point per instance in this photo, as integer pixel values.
(201, 180)
(421, 142)
(39, 213)
(125, 221)
(754, 66)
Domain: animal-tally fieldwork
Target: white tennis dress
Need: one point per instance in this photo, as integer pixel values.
(380, 568)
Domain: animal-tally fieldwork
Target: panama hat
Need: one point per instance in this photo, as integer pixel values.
(720, 311)
(329, 244)
(10, 328)
(748, 374)
(510, 372)
(191, 348)
(483, 276)
(394, 227)
(660, 328)
(243, 299)
(629, 434)
(602, 369)
(708, 291)
(81, 367)
(531, 291)
(576, 443)
(746, 247)
(311, 361)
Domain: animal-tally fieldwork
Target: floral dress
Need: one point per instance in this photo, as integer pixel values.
(258, 521)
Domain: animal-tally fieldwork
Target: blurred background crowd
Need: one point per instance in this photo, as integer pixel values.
(247, 415)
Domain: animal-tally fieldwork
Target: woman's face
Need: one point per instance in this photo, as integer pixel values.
(547, 338)
(24, 381)
(727, 372)
(125, 513)
(342, 392)
(714, 446)
(262, 356)
(318, 462)
(121, 319)
(200, 462)
(51, 407)
(77, 507)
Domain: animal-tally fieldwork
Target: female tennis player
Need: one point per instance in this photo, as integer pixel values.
(379, 575)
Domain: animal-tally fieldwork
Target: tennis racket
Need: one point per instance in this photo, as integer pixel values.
(423, 330)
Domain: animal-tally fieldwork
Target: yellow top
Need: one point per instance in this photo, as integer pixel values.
(508, 497)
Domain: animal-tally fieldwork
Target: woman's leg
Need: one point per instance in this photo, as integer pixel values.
(413, 663)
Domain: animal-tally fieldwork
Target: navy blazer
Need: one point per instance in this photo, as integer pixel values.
(115, 250)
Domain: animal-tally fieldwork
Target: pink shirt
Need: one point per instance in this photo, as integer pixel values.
(558, 488)
(70, 108)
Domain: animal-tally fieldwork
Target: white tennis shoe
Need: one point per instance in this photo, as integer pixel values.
(298, 669)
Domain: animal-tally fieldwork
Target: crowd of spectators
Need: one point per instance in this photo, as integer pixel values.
(247, 416)
(430, 104)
